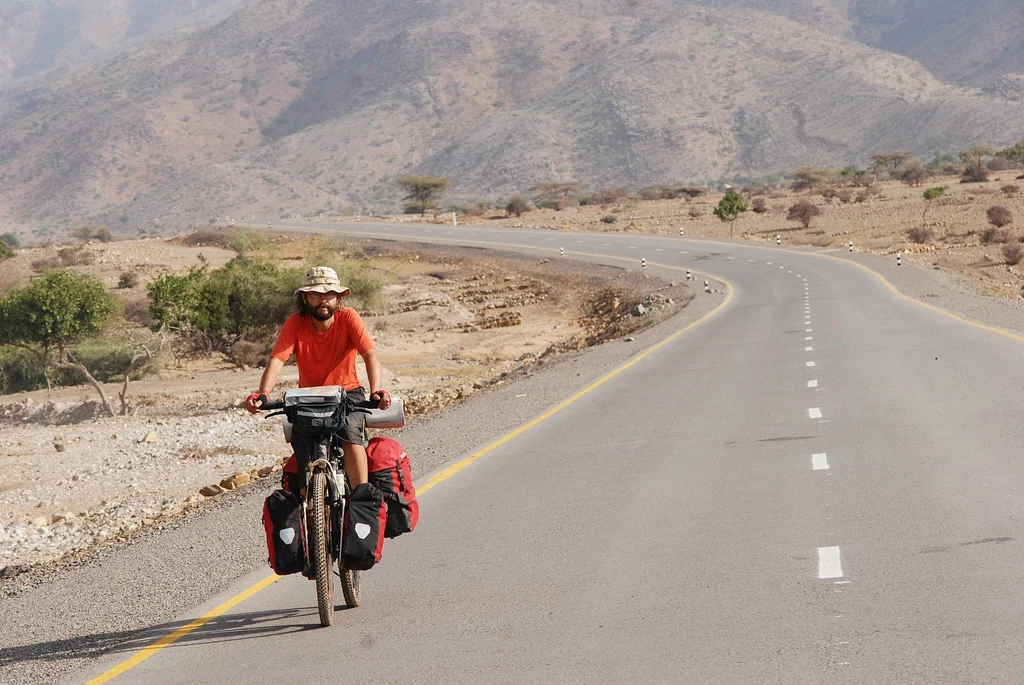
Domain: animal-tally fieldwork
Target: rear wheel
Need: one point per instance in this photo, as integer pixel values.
(352, 587)
(319, 547)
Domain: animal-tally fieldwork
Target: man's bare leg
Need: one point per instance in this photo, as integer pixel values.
(355, 463)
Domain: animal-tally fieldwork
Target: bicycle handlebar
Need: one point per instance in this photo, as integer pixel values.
(363, 407)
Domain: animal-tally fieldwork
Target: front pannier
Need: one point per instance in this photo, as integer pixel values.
(390, 471)
(362, 539)
(282, 519)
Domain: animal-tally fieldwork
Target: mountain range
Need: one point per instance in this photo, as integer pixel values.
(159, 115)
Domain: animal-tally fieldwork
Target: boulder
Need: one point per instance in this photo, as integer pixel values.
(234, 480)
(211, 490)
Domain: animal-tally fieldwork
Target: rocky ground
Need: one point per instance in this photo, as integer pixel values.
(455, 323)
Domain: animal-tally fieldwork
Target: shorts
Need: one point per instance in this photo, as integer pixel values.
(354, 431)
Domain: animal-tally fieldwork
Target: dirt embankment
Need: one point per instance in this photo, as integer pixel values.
(457, 322)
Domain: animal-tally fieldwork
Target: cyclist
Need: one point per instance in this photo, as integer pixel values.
(325, 337)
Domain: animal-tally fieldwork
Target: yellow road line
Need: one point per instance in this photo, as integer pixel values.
(150, 650)
(181, 632)
(926, 305)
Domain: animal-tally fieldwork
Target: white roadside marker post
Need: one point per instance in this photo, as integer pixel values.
(561, 251)
(455, 220)
(689, 277)
(707, 288)
(778, 238)
(851, 246)
(643, 262)
(680, 231)
(899, 259)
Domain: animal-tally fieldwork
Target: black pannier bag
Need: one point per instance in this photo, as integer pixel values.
(362, 539)
(282, 519)
(316, 411)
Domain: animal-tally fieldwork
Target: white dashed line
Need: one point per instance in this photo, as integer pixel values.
(819, 462)
(768, 263)
(751, 261)
(809, 330)
(810, 337)
(632, 247)
(658, 249)
(810, 363)
(808, 349)
(812, 384)
(829, 563)
(607, 244)
(814, 413)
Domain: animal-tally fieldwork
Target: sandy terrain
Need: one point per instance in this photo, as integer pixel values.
(455, 323)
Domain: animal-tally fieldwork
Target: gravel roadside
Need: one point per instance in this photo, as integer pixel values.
(120, 595)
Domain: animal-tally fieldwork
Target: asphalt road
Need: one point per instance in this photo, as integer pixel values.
(820, 483)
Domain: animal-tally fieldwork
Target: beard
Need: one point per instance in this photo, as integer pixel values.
(321, 311)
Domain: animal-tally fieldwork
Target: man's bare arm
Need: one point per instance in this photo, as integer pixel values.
(372, 369)
(267, 381)
(270, 374)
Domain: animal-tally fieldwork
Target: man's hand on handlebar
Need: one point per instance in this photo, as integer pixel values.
(254, 401)
(383, 398)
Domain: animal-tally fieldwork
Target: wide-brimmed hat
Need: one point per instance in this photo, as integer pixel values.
(321, 279)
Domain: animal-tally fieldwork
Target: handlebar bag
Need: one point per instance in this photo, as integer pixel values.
(282, 519)
(362, 540)
(316, 411)
(390, 471)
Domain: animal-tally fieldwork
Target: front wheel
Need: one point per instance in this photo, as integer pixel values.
(319, 547)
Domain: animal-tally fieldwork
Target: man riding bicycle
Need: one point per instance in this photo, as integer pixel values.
(325, 337)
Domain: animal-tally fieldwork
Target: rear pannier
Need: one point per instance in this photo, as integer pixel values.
(282, 519)
(390, 471)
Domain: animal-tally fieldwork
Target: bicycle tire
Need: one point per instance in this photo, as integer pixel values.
(352, 587)
(319, 544)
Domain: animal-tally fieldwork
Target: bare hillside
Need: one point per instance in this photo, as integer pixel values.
(971, 42)
(38, 35)
(288, 106)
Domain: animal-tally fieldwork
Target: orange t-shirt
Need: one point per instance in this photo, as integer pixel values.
(324, 358)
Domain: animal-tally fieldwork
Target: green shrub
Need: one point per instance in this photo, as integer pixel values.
(20, 371)
(934, 193)
(10, 240)
(5, 251)
(107, 361)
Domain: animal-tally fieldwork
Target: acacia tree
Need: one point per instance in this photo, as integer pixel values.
(52, 314)
(729, 207)
(556, 194)
(911, 172)
(808, 178)
(888, 161)
(422, 191)
(804, 212)
(974, 166)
